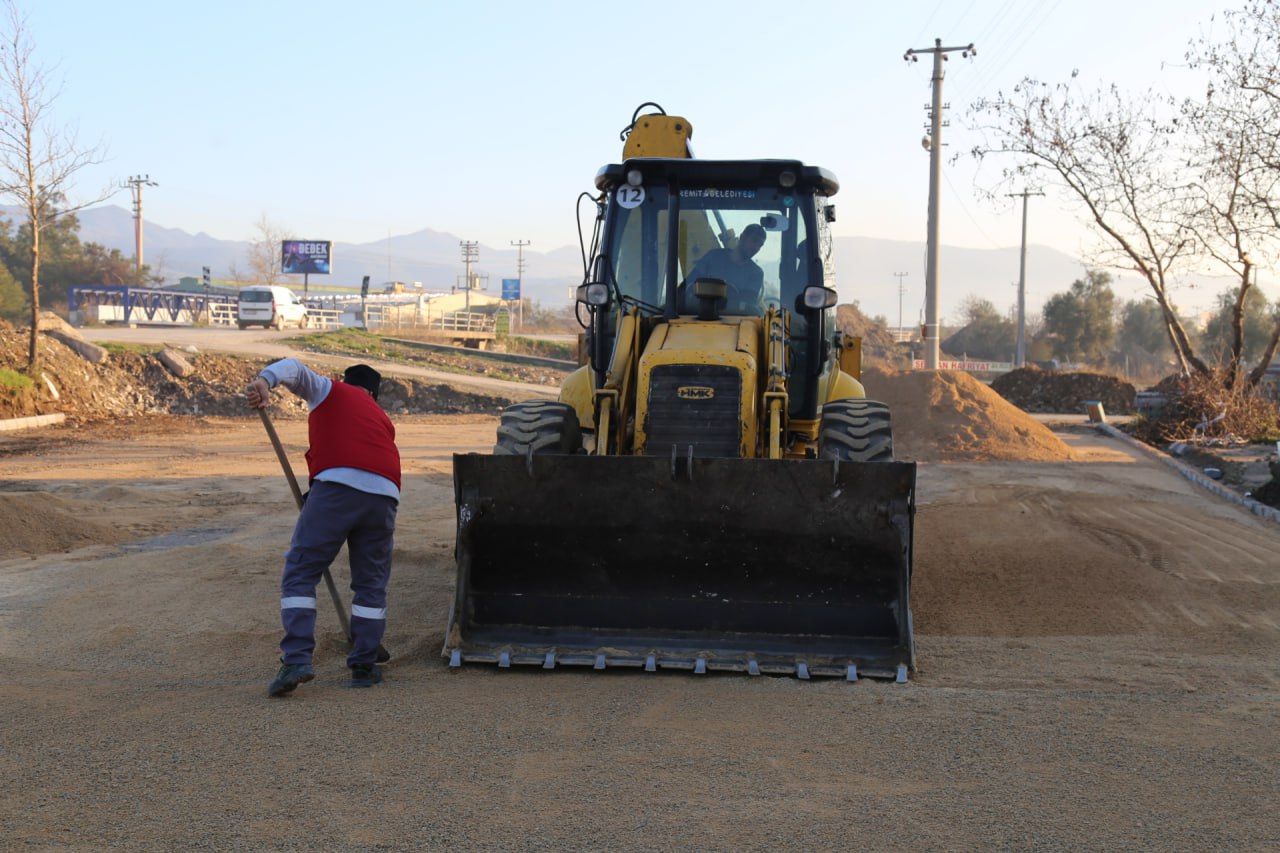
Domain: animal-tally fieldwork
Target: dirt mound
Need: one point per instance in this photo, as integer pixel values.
(130, 383)
(877, 344)
(41, 523)
(948, 416)
(1034, 390)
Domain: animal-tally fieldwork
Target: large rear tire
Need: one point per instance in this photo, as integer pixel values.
(539, 427)
(855, 431)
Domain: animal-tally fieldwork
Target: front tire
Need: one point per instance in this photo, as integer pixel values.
(855, 431)
(537, 428)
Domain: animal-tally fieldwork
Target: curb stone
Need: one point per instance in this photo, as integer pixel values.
(1256, 507)
(13, 424)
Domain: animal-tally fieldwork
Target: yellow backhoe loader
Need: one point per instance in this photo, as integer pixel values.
(712, 490)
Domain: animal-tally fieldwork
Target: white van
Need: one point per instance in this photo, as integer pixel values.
(270, 307)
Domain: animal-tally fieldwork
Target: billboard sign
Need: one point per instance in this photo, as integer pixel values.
(511, 289)
(300, 257)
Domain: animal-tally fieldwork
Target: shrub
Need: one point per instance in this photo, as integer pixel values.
(12, 381)
(1200, 408)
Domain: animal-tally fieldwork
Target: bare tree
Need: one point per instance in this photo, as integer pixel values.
(1236, 133)
(264, 251)
(37, 163)
(1119, 159)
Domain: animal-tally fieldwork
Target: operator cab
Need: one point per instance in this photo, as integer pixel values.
(759, 226)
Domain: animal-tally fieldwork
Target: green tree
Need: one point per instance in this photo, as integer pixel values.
(65, 261)
(13, 302)
(984, 333)
(59, 250)
(1142, 330)
(1082, 320)
(96, 264)
(1255, 320)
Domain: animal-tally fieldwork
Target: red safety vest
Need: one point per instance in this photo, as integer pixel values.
(350, 430)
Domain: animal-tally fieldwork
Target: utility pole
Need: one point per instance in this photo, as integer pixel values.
(1021, 358)
(135, 184)
(470, 254)
(902, 288)
(520, 244)
(933, 142)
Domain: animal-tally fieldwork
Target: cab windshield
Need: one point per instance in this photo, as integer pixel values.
(753, 238)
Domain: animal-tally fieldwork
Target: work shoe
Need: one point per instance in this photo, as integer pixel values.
(366, 675)
(289, 677)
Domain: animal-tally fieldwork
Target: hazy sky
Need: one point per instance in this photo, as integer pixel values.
(350, 122)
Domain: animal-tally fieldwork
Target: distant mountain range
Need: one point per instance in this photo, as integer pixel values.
(866, 267)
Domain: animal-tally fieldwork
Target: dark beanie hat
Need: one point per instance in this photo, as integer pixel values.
(363, 376)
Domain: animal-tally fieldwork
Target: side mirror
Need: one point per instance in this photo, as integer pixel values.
(593, 293)
(816, 298)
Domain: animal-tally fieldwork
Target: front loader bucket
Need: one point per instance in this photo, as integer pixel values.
(783, 566)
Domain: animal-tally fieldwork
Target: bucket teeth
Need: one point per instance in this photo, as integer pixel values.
(696, 663)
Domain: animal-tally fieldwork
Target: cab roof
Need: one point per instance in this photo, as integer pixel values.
(723, 172)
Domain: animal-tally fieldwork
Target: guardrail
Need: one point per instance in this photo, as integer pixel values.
(461, 325)
(222, 314)
(124, 304)
(120, 303)
(324, 318)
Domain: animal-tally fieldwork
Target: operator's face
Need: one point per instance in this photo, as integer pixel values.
(751, 243)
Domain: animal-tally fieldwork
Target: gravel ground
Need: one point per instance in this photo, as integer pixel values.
(1097, 638)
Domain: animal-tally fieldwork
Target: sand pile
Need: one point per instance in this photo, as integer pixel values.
(948, 416)
(41, 523)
